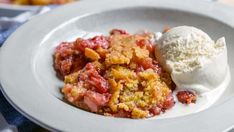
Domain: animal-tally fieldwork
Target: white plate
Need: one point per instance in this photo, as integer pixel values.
(30, 85)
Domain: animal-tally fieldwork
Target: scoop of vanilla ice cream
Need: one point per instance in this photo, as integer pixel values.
(194, 60)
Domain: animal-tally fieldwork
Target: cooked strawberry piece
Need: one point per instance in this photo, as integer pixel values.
(186, 97)
(150, 47)
(157, 67)
(91, 76)
(117, 31)
(92, 43)
(65, 49)
(148, 63)
(80, 44)
(95, 100)
(100, 83)
(155, 110)
(63, 58)
(141, 43)
(139, 69)
(65, 66)
(100, 41)
(89, 66)
(67, 59)
(169, 102)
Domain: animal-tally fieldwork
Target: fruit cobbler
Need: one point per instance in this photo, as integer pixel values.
(116, 75)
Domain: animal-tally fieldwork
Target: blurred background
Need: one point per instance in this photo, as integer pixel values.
(12, 8)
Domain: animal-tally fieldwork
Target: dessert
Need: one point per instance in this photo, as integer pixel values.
(143, 75)
(114, 75)
(193, 59)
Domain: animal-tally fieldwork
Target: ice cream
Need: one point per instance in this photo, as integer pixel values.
(195, 61)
